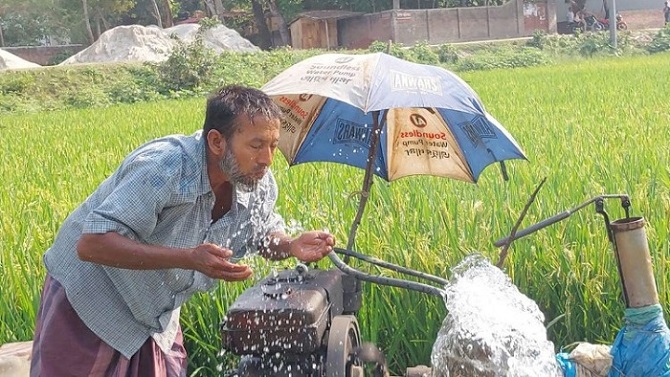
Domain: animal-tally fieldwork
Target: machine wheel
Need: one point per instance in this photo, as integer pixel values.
(343, 339)
(622, 26)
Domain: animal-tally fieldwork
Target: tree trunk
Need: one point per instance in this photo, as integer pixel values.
(216, 8)
(265, 37)
(168, 14)
(89, 31)
(211, 8)
(283, 28)
(156, 13)
(98, 29)
(105, 24)
(220, 11)
(2, 38)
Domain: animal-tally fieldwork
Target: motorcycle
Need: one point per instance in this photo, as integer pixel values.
(590, 23)
(620, 23)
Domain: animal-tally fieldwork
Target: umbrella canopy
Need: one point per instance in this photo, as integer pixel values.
(430, 122)
(386, 115)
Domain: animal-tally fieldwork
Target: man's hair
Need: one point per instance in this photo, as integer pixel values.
(229, 102)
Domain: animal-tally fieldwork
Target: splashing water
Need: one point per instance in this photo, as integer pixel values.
(492, 329)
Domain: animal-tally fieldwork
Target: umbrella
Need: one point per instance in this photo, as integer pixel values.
(391, 117)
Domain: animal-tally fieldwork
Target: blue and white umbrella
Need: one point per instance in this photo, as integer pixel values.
(389, 116)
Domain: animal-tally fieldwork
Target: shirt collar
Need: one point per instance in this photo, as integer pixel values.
(205, 186)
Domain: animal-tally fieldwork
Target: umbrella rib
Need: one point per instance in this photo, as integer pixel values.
(366, 106)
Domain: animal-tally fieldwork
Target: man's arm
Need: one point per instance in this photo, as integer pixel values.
(114, 250)
(276, 246)
(308, 247)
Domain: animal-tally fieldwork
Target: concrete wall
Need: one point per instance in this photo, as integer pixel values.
(436, 26)
(359, 32)
(635, 8)
(43, 55)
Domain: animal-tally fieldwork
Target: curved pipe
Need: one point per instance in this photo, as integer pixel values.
(391, 266)
(411, 285)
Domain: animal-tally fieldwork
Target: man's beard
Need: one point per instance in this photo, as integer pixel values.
(230, 167)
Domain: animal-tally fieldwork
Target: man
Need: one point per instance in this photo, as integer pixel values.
(168, 223)
(571, 19)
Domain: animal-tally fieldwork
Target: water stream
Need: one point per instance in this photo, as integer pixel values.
(492, 329)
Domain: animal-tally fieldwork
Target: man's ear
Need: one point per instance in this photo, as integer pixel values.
(216, 143)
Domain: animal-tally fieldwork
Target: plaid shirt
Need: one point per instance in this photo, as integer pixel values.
(160, 195)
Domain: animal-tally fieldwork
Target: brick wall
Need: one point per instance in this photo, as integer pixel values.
(43, 55)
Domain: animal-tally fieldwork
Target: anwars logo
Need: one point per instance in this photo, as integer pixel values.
(410, 83)
(350, 132)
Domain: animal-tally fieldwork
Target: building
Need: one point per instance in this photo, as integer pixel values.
(330, 29)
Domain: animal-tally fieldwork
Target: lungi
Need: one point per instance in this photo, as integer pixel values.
(64, 346)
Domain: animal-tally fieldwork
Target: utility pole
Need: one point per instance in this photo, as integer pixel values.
(613, 21)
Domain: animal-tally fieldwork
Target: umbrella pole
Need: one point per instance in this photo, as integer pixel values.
(367, 180)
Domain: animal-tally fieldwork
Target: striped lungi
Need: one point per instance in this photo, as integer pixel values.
(64, 346)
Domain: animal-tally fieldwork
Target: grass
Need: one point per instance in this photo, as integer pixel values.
(591, 127)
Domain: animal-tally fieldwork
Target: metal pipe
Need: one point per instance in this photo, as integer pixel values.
(632, 251)
(411, 285)
(391, 266)
(556, 218)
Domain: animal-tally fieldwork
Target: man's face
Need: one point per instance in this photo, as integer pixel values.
(249, 152)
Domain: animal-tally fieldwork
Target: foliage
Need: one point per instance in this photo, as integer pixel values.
(378, 46)
(524, 57)
(30, 22)
(587, 45)
(567, 268)
(593, 43)
(101, 12)
(396, 49)
(178, 77)
(366, 6)
(189, 66)
(208, 23)
(193, 70)
(423, 53)
(60, 57)
(447, 54)
(538, 39)
(21, 30)
(661, 41)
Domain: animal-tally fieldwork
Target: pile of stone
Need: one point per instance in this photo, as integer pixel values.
(136, 43)
(11, 61)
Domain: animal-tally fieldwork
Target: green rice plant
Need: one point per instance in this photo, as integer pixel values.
(580, 123)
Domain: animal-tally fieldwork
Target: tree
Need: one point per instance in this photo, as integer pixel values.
(283, 27)
(156, 12)
(216, 9)
(28, 22)
(167, 20)
(261, 23)
(87, 22)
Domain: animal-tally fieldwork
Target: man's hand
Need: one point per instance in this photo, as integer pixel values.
(312, 246)
(214, 261)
